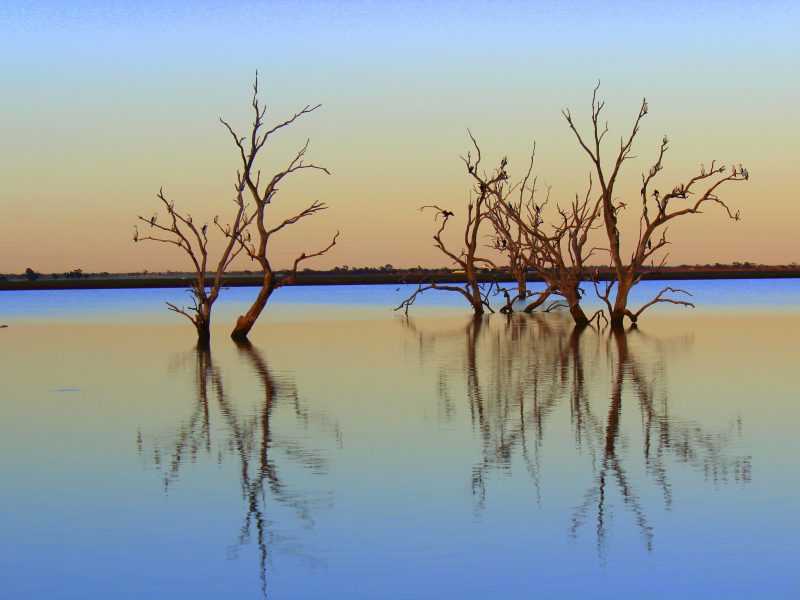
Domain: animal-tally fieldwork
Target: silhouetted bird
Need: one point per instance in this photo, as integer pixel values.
(204, 228)
(447, 213)
(746, 174)
(153, 219)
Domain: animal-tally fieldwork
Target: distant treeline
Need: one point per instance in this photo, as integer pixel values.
(77, 278)
(31, 275)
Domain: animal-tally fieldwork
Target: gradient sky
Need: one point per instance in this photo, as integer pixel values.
(104, 102)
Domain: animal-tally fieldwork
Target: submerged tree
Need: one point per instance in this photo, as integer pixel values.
(466, 258)
(249, 178)
(182, 231)
(657, 209)
(509, 238)
(557, 252)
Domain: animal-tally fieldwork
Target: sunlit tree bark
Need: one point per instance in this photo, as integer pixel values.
(466, 258)
(181, 230)
(249, 178)
(558, 251)
(657, 209)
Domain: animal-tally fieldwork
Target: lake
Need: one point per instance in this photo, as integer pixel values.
(353, 452)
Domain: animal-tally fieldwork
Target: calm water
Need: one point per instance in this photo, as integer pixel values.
(350, 452)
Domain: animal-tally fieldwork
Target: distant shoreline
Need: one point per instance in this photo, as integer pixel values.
(96, 282)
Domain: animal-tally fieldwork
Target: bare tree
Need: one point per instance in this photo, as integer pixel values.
(181, 231)
(508, 237)
(557, 252)
(466, 258)
(250, 179)
(656, 209)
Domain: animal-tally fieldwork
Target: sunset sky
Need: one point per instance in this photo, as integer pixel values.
(104, 102)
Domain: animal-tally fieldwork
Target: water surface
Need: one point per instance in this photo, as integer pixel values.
(351, 452)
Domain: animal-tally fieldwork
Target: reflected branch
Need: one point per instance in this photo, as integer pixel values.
(249, 435)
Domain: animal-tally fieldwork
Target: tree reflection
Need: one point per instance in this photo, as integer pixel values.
(247, 434)
(523, 375)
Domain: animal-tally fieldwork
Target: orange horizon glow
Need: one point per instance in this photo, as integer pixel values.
(104, 107)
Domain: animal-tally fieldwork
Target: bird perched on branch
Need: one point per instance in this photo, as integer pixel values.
(447, 213)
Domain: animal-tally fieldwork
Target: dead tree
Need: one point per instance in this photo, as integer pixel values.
(557, 252)
(262, 196)
(466, 258)
(182, 231)
(657, 209)
(510, 239)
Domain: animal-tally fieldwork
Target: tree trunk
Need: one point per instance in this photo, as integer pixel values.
(578, 315)
(245, 322)
(477, 305)
(475, 293)
(539, 301)
(573, 299)
(203, 332)
(620, 309)
(522, 286)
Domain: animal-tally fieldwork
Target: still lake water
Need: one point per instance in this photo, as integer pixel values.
(353, 453)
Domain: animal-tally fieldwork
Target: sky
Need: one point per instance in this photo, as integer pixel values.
(103, 103)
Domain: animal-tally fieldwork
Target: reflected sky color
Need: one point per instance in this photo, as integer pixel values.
(401, 457)
(108, 101)
(311, 303)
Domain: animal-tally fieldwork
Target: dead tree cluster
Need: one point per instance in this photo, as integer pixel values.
(505, 218)
(557, 240)
(248, 232)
